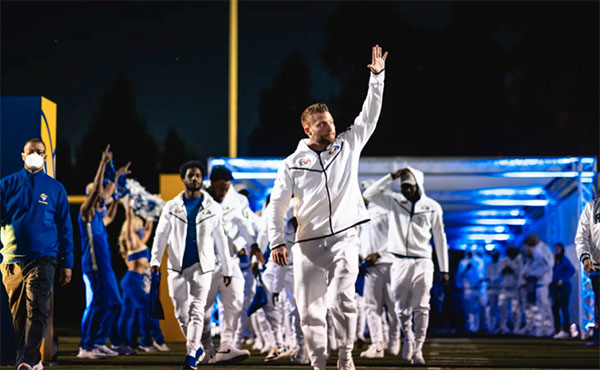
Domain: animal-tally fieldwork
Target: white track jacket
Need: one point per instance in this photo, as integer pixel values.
(587, 239)
(325, 185)
(172, 229)
(410, 233)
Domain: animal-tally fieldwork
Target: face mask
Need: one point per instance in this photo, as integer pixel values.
(34, 161)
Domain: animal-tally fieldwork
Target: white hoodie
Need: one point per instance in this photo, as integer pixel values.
(410, 235)
(210, 235)
(325, 185)
(587, 240)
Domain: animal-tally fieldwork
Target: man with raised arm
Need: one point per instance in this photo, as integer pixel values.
(322, 174)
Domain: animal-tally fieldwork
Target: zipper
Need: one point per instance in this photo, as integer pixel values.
(326, 188)
(91, 242)
(412, 212)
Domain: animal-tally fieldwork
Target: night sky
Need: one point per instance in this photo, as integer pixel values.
(176, 55)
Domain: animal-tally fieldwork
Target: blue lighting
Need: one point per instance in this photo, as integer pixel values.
(543, 174)
(488, 237)
(512, 192)
(500, 221)
(515, 202)
(490, 247)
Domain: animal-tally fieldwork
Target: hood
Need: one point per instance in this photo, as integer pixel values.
(419, 177)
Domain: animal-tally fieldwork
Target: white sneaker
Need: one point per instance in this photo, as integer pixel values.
(90, 354)
(417, 358)
(38, 366)
(346, 364)
(209, 355)
(393, 346)
(148, 349)
(107, 351)
(373, 351)
(24, 366)
(300, 357)
(231, 354)
(123, 349)
(249, 341)
(161, 347)
(408, 349)
(276, 353)
(258, 345)
(561, 335)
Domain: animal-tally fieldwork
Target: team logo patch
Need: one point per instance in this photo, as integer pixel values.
(207, 212)
(334, 149)
(424, 208)
(44, 197)
(179, 211)
(305, 161)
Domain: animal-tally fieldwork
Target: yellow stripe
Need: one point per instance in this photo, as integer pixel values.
(233, 77)
(76, 199)
(41, 201)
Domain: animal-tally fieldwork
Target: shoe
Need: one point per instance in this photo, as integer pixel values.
(107, 351)
(561, 335)
(300, 357)
(209, 356)
(161, 347)
(38, 366)
(417, 358)
(123, 349)
(374, 351)
(24, 366)
(189, 363)
(393, 346)
(258, 345)
(249, 341)
(276, 353)
(346, 364)
(90, 354)
(148, 349)
(231, 355)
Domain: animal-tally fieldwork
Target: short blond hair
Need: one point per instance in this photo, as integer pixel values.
(310, 110)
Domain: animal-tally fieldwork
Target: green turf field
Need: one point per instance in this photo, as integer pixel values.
(521, 353)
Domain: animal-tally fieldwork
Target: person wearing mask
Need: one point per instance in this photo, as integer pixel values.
(102, 291)
(560, 289)
(192, 225)
(510, 268)
(415, 220)
(323, 176)
(37, 239)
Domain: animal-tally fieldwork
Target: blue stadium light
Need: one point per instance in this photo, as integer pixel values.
(490, 247)
(254, 175)
(488, 237)
(587, 160)
(481, 229)
(515, 202)
(512, 192)
(587, 180)
(543, 174)
(501, 221)
(498, 213)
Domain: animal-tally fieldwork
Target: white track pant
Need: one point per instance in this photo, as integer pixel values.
(232, 298)
(377, 293)
(325, 271)
(412, 279)
(244, 321)
(509, 296)
(189, 291)
(491, 310)
(282, 277)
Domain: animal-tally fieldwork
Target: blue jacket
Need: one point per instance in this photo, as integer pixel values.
(35, 219)
(563, 270)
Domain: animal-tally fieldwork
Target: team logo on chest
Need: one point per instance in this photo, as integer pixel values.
(43, 196)
(334, 149)
(207, 212)
(424, 208)
(305, 161)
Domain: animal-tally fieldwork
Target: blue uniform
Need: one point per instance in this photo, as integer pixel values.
(103, 300)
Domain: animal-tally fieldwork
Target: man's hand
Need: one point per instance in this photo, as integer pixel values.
(226, 280)
(377, 60)
(396, 175)
(588, 266)
(155, 269)
(123, 170)
(372, 259)
(279, 255)
(65, 276)
(445, 277)
(255, 251)
(107, 155)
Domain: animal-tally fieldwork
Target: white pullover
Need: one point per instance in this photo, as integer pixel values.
(587, 240)
(325, 184)
(411, 229)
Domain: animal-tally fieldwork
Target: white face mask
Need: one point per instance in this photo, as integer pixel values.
(34, 161)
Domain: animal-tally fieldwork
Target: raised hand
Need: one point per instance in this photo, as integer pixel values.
(123, 170)
(107, 155)
(377, 60)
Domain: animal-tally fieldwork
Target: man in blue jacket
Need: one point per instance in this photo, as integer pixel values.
(37, 236)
